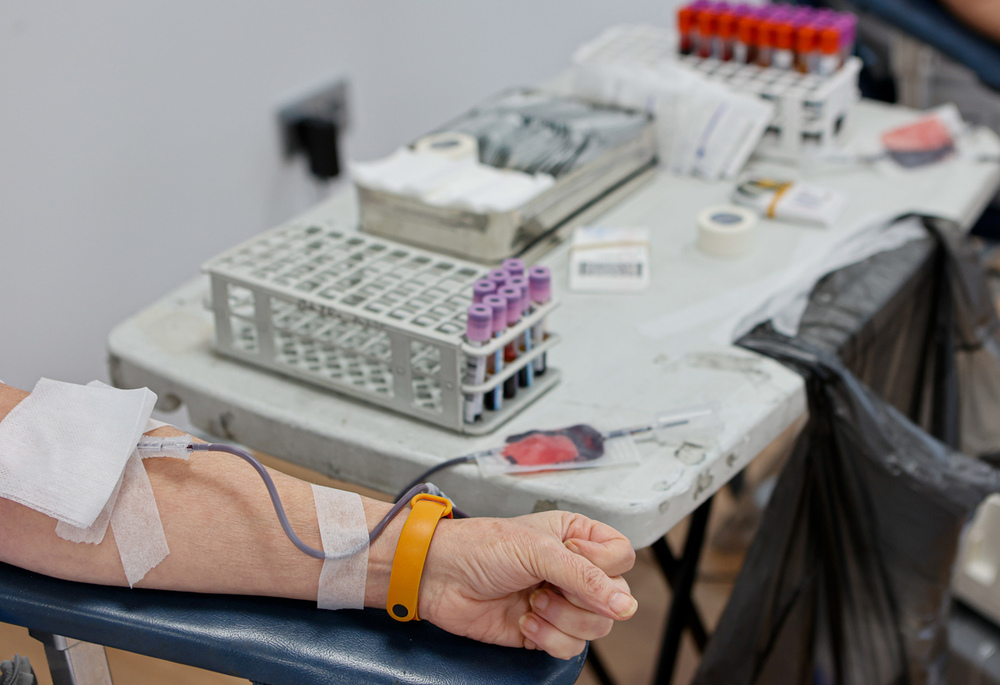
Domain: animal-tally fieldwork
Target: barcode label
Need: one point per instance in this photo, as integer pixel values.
(615, 269)
(605, 259)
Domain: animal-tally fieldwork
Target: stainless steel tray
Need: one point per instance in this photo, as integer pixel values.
(492, 237)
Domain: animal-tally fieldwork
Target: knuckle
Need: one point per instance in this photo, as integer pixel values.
(630, 556)
(594, 580)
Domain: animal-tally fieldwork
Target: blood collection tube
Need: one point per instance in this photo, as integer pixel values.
(744, 47)
(782, 54)
(805, 49)
(526, 375)
(764, 42)
(726, 36)
(540, 290)
(478, 330)
(510, 350)
(513, 266)
(481, 289)
(829, 51)
(848, 25)
(685, 30)
(706, 32)
(498, 307)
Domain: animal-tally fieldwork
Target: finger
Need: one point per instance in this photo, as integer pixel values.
(614, 556)
(567, 617)
(580, 579)
(617, 580)
(548, 638)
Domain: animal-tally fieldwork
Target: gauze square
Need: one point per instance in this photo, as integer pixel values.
(63, 448)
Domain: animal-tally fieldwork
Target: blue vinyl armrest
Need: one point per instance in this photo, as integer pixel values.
(266, 640)
(929, 22)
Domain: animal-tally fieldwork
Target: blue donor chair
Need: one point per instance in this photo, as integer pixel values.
(266, 640)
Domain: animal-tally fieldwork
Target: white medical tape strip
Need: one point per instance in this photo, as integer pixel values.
(136, 524)
(342, 527)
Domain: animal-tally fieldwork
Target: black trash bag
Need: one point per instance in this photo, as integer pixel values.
(970, 316)
(847, 579)
(17, 671)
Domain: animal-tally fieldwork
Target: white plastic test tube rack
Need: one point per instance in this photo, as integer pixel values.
(366, 317)
(810, 110)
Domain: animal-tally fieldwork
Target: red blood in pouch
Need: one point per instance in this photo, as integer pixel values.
(539, 448)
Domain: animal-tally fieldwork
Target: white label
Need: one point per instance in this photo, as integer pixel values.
(609, 259)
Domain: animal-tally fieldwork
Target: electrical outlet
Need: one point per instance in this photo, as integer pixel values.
(312, 125)
(328, 102)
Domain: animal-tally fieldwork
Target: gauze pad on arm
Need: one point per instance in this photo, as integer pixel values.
(63, 448)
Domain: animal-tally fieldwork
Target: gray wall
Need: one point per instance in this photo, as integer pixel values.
(137, 139)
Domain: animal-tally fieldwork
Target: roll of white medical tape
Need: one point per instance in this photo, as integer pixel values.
(726, 231)
(451, 144)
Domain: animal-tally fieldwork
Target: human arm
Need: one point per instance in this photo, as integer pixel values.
(225, 538)
(981, 15)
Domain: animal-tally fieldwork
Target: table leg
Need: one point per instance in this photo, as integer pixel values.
(681, 606)
(670, 565)
(597, 666)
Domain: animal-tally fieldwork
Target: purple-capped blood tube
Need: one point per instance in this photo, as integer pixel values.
(848, 25)
(498, 305)
(478, 330)
(526, 375)
(513, 266)
(540, 286)
(481, 289)
(510, 350)
(498, 276)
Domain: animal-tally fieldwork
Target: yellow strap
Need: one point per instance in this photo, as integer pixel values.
(779, 191)
(411, 552)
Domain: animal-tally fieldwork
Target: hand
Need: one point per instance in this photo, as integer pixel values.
(548, 581)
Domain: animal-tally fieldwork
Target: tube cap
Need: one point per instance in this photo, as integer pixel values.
(746, 29)
(706, 22)
(513, 297)
(481, 289)
(765, 33)
(540, 284)
(685, 19)
(784, 36)
(498, 305)
(479, 323)
(498, 276)
(805, 39)
(829, 41)
(727, 25)
(514, 266)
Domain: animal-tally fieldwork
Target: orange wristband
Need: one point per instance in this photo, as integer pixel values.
(411, 553)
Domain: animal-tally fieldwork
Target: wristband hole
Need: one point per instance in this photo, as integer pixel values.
(400, 611)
